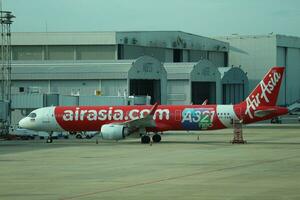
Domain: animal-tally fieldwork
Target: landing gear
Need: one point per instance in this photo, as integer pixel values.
(145, 139)
(156, 138)
(79, 136)
(49, 139)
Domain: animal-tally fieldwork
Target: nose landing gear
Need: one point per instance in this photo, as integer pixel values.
(49, 139)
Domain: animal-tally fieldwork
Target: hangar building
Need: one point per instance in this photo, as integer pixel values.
(193, 83)
(257, 54)
(143, 76)
(166, 46)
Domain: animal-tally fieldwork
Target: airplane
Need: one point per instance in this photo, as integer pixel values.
(119, 122)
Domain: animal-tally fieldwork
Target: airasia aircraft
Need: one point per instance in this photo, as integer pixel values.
(118, 122)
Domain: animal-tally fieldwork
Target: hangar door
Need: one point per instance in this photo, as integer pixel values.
(202, 91)
(146, 87)
(233, 93)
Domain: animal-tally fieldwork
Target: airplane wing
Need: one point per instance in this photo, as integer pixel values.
(146, 121)
(263, 113)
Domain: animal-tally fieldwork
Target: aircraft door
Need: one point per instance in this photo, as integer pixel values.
(177, 115)
(46, 117)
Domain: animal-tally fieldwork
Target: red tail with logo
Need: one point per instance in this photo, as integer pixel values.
(264, 95)
(266, 92)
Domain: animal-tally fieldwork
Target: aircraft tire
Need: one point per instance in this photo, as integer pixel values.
(145, 139)
(156, 138)
(78, 136)
(49, 140)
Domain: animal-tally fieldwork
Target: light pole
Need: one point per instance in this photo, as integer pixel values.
(5, 98)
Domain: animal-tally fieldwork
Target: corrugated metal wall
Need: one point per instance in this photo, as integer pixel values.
(292, 74)
(218, 58)
(178, 92)
(233, 93)
(27, 101)
(101, 100)
(95, 52)
(64, 52)
(59, 52)
(27, 53)
(68, 87)
(133, 52)
(195, 56)
(113, 87)
(281, 61)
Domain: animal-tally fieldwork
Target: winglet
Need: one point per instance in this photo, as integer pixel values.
(153, 109)
(205, 102)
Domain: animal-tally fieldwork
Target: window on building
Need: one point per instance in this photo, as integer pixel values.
(177, 55)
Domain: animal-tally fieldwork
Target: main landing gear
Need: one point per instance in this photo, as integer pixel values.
(145, 139)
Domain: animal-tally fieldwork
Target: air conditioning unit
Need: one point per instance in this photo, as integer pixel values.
(98, 93)
(75, 92)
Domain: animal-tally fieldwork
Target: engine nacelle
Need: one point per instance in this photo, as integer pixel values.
(113, 132)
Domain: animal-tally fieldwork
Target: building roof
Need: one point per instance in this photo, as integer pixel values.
(179, 70)
(281, 40)
(233, 75)
(70, 70)
(204, 70)
(144, 67)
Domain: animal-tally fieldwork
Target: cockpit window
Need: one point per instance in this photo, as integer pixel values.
(32, 115)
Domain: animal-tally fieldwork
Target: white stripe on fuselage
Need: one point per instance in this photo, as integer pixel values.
(226, 114)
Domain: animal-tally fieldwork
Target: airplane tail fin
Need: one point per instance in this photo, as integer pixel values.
(266, 92)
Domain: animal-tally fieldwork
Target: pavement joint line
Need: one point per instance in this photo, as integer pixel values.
(174, 178)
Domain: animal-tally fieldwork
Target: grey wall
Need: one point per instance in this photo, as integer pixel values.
(66, 87)
(218, 58)
(64, 52)
(113, 87)
(133, 52)
(179, 92)
(292, 74)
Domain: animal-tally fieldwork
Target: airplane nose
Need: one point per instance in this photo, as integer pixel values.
(22, 123)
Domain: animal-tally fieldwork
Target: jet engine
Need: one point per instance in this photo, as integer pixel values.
(113, 131)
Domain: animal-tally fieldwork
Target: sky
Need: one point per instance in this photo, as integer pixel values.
(201, 17)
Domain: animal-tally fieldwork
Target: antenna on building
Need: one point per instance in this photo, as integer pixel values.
(46, 26)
